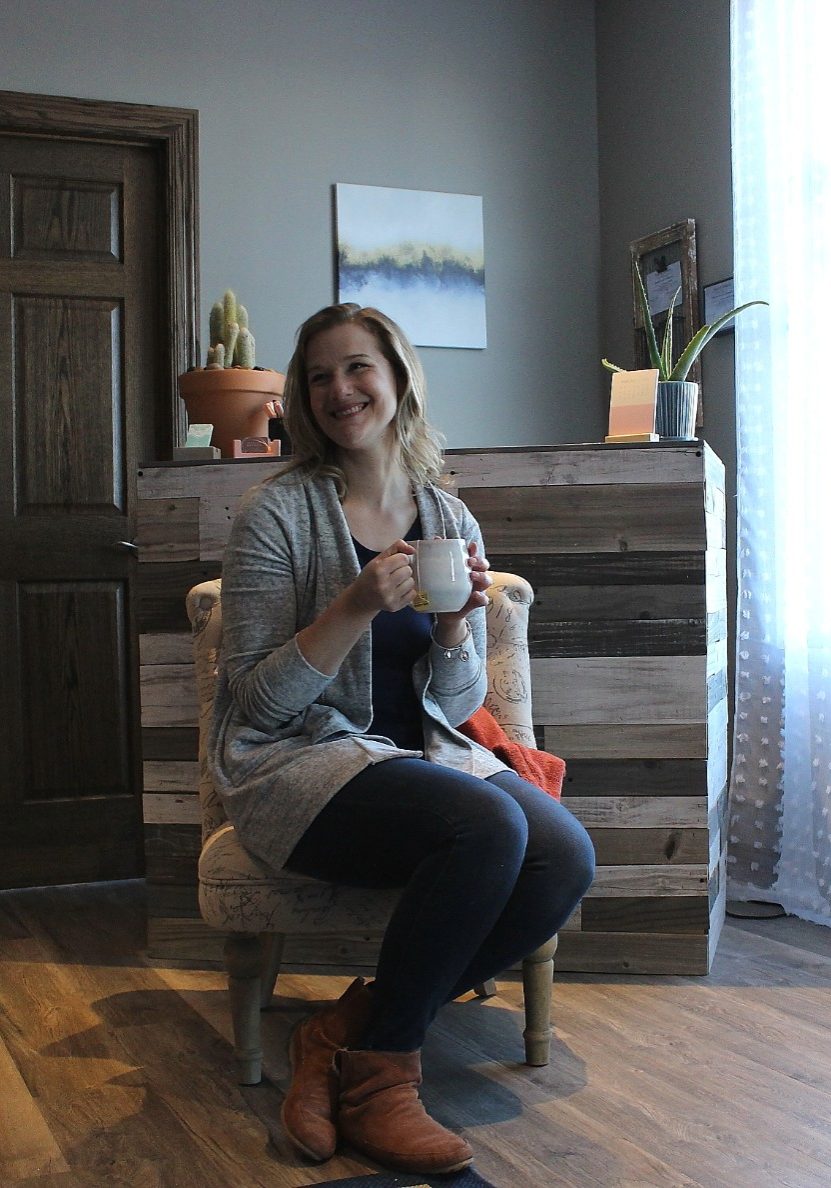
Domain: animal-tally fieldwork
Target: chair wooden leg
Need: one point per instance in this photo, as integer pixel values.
(485, 989)
(537, 978)
(244, 963)
(273, 943)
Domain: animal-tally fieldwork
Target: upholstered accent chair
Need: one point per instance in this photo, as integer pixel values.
(258, 908)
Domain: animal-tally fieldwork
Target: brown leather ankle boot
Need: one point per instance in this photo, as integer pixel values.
(310, 1105)
(381, 1115)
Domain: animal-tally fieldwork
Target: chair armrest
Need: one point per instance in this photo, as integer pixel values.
(509, 666)
(204, 609)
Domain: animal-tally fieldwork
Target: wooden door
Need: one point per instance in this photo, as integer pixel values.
(81, 352)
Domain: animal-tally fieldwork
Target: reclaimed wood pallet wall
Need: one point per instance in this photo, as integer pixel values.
(625, 548)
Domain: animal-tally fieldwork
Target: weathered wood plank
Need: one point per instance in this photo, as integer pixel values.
(641, 740)
(718, 815)
(716, 530)
(636, 777)
(589, 519)
(573, 467)
(638, 812)
(716, 625)
(714, 471)
(173, 938)
(717, 658)
(168, 529)
(630, 952)
(629, 602)
(206, 482)
(168, 694)
(598, 569)
(717, 750)
(174, 841)
(166, 647)
(671, 914)
(635, 847)
(161, 808)
(716, 689)
(170, 742)
(177, 871)
(617, 637)
(689, 879)
(717, 920)
(215, 519)
(171, 775)
(715, 564)
(618, 690)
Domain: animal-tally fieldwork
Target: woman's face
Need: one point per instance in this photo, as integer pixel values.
(353, 392)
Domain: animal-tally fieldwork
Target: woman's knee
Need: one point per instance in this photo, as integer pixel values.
(583, 861)
(563, 847)
(576, 858)
(494, 819)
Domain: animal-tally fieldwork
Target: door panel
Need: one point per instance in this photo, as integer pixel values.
(71, 445)
(79, 285)
(51, 216)
(80, 626)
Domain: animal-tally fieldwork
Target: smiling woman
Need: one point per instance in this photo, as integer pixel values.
(353, 389)
(418, 444)
(336, 746)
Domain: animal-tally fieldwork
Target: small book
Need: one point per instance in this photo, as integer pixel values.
(632, 406)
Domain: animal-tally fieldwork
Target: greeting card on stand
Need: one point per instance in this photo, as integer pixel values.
(632, 406)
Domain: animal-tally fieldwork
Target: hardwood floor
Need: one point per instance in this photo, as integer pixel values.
(115, 1071)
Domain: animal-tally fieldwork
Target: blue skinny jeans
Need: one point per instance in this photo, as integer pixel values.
(490, 869)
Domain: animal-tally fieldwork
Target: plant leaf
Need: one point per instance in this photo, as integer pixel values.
(696, 344)
(651, 340)
(611, 366)
(666, 349)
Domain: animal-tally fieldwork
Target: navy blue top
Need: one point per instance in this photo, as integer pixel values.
(399, 638)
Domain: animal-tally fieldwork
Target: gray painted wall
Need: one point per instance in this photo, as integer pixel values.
(663, 70)
(465, 96)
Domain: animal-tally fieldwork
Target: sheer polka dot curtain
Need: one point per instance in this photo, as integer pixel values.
(780, 831)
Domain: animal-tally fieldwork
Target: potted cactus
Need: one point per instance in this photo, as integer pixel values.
(677, 396)
(230, 392)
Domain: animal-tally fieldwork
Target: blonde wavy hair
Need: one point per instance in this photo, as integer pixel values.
(419, 443)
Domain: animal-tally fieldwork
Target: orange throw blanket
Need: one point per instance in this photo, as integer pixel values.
(537, 767)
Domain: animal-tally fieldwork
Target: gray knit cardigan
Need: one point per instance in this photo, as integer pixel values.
(285, 737)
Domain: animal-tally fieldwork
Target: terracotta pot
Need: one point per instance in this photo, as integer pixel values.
(232, 399)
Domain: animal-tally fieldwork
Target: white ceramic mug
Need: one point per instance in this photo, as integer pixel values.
(441, 574)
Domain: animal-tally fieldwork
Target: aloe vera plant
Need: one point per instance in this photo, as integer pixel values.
(662, 357)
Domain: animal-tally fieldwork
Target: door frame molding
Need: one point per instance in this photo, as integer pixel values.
(174, 133)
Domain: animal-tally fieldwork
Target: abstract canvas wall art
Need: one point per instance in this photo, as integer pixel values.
(419, 257)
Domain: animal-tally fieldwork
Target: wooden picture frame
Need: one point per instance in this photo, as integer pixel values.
(667, 260)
